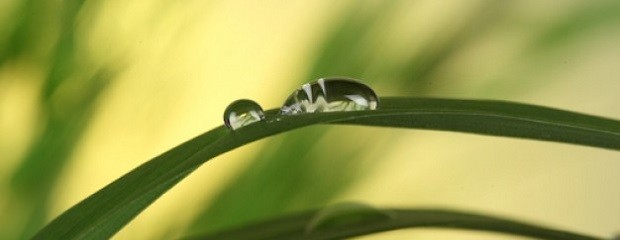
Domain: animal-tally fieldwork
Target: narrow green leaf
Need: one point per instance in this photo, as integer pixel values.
(296, 226)
(499, 118)
(108, 210)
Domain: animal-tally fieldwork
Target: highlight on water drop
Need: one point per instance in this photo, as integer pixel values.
(241, 113)
(330, 95)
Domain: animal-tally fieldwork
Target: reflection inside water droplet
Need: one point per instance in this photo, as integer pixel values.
(346, 214)
(330, 95)
(241, 113)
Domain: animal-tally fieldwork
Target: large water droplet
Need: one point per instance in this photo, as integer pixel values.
(346, 214)
(241, 113)
(330, 95)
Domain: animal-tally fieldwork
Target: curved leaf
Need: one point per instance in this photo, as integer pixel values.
(296, 226)
(108, 210)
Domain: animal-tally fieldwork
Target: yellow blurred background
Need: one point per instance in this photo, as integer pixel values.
(90, 90)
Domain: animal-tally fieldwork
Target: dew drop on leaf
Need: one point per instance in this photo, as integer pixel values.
(241, 113)
(346, 214)
(330, 95)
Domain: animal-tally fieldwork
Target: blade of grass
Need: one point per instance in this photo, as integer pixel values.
(499, 118)
(296, 226)
(105, 212)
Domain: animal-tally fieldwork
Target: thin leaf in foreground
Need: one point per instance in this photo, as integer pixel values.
(108, 210)
(295, 226)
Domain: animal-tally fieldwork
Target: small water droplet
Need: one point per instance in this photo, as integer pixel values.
(241, 113)
(345, 214)
(330, 95)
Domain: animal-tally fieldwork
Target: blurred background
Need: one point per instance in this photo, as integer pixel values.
(91, 89)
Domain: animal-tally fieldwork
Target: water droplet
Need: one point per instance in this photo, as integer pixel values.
(330, 95)
(241, 113)
(345, 214)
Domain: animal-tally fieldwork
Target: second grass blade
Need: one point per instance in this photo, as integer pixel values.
(296, 226)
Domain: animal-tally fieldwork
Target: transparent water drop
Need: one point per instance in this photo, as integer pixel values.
(330, 95)
(241, 113)
(345, 214)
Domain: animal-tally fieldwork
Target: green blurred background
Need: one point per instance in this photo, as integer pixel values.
(91, 89)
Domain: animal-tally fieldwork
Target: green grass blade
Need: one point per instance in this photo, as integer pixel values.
(108, 210)
(296, 226)
(497, 118)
